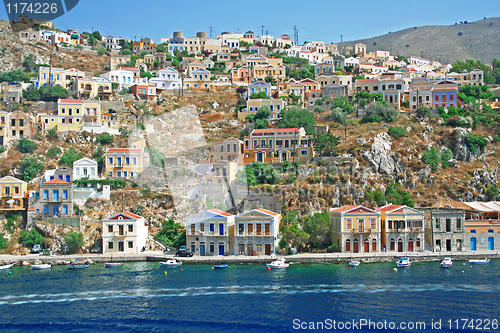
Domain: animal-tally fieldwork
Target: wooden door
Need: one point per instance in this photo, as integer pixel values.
(367, 246)
(267, 250)
(355, 246)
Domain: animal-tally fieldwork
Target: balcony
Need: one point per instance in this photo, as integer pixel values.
(121, 234)
(361, 230)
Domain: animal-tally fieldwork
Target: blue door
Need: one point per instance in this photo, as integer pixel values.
(221, 229)
(473, 244)
(221, 249)
(55, 211)
(491, 243)
(202, 249)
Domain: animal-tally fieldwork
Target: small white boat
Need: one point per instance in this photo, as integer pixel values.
(479, 261)
(112, 264)
(41, 266)
(354, 263)
(6, 266)
(403, 262)
(278, 263)
(170, 263)
(446, 263)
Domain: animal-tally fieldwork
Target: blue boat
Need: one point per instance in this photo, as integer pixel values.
(77, 266)
(220, 266)
(403, 262)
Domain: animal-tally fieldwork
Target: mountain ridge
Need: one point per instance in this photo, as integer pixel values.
(477, 40)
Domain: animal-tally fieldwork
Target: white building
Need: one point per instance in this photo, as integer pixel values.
(113, 43)
(124, 78)
(124, 233)
(85, 168)
(167, 79)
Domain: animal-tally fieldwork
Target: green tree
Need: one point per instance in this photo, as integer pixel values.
(156, 157)
(105, 139)
(29, 238)
(259, 173)
(172, 234)
(101, 50)
(126, 52)
(397, 131)
(92, 40)
(318, 227)
(342, 103)
(26, 146)
(29, 63)
(325, 143)
(3, 242)
(378, 112)
(432, 158)
(29, 168)
(31, 93)
(16, 75)
(52, 93)
(53, 151)
(292, 118)
(74, 240)
(475, 142)
(70, 156)
(51, 134)
(492, 192)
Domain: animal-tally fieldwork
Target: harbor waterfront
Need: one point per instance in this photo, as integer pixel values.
(142, 296)
(303, 258)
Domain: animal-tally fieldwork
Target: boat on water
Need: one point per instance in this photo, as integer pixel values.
(220, 266)
(112, 264)
(479, 261)
(6, 266)
(446, 263)
(354, 263)
(41, 266)
(403, 262)
(170, 263)
(78, 266)
(278, 263)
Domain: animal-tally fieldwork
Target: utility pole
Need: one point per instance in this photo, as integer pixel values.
(210, 32)
(340, 48)
(295, 35)
(262, 32)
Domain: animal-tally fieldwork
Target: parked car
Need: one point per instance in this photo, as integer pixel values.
(36, 248)
(96, 249)
(183, 247)
(183, 253)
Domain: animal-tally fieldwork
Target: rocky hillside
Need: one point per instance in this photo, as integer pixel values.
(475, 40)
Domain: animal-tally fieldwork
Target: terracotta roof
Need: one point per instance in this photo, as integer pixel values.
(270, 130)
(220, 212)
(343, 208)
(362, 80)
(124, 150)
(266, 211)
(69, 100)
(56, 181)
(389, 208)
(131, 215)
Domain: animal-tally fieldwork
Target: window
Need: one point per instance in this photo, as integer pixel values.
(65, 210)
(110, 228)
(267, 229)
(348, 224)
(130, 228)
(127, 160)
(46, 210)
(68, 178)
(202, 227)
(373, 224)
(110, 245)
(347, 245)
(361, 225)
(490, 231)
(110, 161)
(303, 152)
(119, 161)
(65, 194)
(118, 174)
(131, 244)
(250, 228)
(212, 227)
(212, 247)
(473, 231)
(459, 224)
(134, 160)
(55, 195)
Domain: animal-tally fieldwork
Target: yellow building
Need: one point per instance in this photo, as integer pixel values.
(69, 116)
(256, 232)
(221, 172)
(402, 228)
(276, 145)
(230, 149)
(194, 66)
(355, 229)
(57, 76)
(260, 72)
(12, 193)
(125, 162)
(92, 87)
(253, 105)
(199, 80)
(254, 60)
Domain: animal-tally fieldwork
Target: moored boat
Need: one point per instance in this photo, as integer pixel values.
(112, 264)
(446, 263)
(170, 263)
(354, 263)
(220, 266)
(479, 261)
(278, 263)
(41, 266)
(6, 266)
(78, 266)
(403, 262)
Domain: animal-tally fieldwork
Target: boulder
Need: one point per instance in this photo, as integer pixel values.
(37, 262)
(380, 154)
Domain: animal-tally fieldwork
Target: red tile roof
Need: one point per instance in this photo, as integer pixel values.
(344, 208)
(132, 215)
(389, 208)
(266, 211)
(220, 212)
(56, 181)
(65, 100)
(270, 130)
(361, 80)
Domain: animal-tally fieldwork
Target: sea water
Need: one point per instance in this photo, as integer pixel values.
(144, 297)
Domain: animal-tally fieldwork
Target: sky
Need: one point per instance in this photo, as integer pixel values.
(315, 20)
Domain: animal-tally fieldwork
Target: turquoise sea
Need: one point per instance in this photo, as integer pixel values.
(140, 297)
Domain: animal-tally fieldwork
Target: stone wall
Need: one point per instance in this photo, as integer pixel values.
(83, 51)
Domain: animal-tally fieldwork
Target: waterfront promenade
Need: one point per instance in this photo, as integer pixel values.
(303, 258)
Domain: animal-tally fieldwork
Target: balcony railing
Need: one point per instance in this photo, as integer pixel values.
(361, 230)
(121, 234)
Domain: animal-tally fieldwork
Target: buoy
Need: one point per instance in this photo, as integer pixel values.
(462, 272)
(30, 270)
(10, 273)
(464, 264)
(165, 273)
(23, 274)
(269, 268)
(434, 272)
(395, 269)
(212, 267)
(182, 270)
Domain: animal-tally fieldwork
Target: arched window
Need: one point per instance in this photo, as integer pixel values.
(374, 245)
(393, 245)
(348, 245)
